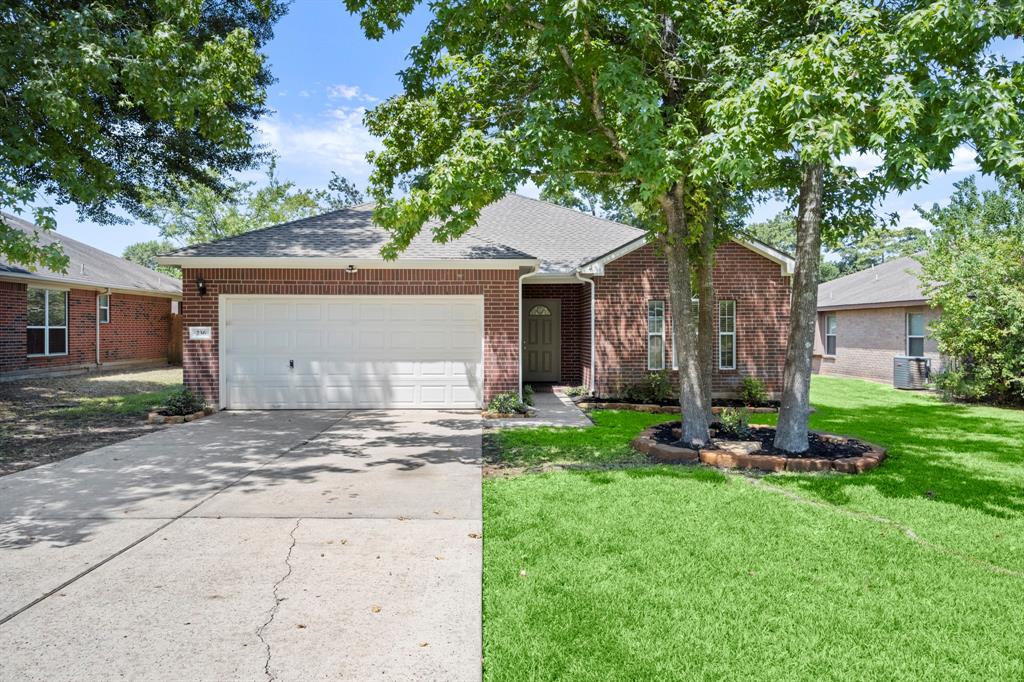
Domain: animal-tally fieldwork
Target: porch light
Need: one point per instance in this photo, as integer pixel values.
(201, 285)
(351, 270)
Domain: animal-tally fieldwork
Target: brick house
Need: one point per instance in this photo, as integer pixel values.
(103, 312)
(307, 314)
(870, 317)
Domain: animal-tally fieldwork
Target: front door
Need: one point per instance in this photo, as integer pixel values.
(542, 339)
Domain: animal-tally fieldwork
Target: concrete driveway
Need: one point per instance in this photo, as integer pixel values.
(250, 546)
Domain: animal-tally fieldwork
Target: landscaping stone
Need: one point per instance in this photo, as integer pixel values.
(744, 455)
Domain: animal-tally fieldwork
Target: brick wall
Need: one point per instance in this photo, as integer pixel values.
(867, 339)
(500, 289)
(138, 329)
(762, 296)
(572, 341)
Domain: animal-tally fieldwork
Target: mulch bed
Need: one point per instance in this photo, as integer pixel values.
(674, 402)
(828, 452)
(824, 446)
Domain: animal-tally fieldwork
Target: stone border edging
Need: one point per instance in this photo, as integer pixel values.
(157, 418)
(726, 458)
(662, 409)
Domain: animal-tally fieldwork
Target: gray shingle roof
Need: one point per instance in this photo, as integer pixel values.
(891, 282)
(347, 233)
(514, 227)
(88, 265)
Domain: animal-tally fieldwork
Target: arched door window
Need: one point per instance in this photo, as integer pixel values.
(540, 311)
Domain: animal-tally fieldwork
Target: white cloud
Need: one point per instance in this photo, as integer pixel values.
(862, 163)
(350, 93)
(308, 151)
(964, 160)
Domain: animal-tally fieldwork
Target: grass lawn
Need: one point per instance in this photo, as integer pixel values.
(46, 419)
(688, 573)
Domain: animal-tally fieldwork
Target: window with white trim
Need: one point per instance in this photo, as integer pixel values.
(656, 335)
(915, 335)
(47, 327)
(727, 335)
(830, 334)
(103, 302)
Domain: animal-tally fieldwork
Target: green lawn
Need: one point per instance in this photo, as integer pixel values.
(687, 573)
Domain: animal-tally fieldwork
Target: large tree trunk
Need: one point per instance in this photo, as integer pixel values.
(791, 434)
(706, 307)
(677, 254)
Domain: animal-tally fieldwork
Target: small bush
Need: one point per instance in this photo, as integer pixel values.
(184, 402)
(577, 391)
(753, 391)
(735, 422)
(656, 388)
(955, 384)
(506, 403)
(528, 394)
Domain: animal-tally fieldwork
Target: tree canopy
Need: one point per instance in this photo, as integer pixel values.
(973, 270)
(107, 102)
(195, 213)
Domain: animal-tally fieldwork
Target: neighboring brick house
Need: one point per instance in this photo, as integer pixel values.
(867, 319)
(102, 312)
(307, 314)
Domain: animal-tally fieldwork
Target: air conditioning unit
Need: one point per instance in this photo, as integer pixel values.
(910, 373)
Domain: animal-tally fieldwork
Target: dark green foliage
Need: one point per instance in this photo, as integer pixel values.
(753, 391)
(184, 402)
(145, 253)
(506, 403)
(528, 394)
(734, 422)
(655, 388)
(973, 270)
(104, 103)
(577, 391)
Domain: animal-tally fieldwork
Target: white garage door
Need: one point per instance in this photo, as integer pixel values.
(331, 352)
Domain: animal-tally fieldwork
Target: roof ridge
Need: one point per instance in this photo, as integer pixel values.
(576, 211)
(275, 225)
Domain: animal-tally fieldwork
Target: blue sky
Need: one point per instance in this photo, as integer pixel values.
(328, 74)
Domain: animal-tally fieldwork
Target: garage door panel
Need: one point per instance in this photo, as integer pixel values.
(386, 351)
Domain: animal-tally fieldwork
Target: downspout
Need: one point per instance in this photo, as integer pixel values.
(593, 369)
(519, 350)
(98, 294)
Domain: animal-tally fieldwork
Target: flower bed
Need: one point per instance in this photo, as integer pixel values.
(829, 452)
(161, 416)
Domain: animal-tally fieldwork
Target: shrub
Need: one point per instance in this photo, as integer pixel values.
(506, 403)
(576, 391)
(656, 388)
(184, 402)
(735, 422)
(753, 391)
(955, 384)
(528, 394)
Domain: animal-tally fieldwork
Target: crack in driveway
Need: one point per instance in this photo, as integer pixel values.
(277, 603)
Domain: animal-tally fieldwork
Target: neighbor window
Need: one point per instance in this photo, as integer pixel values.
(830, 334)
(104, 306)
(47, 328)
(656, 335)
(727, 335)
(915, 335)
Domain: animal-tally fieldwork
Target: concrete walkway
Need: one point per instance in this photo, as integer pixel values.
(552, 409)
(250, 546)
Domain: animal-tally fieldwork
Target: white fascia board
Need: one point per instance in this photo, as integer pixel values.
(551, 278)
(71, 283)
(342, 263)
(596, 266)
(788, 264)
